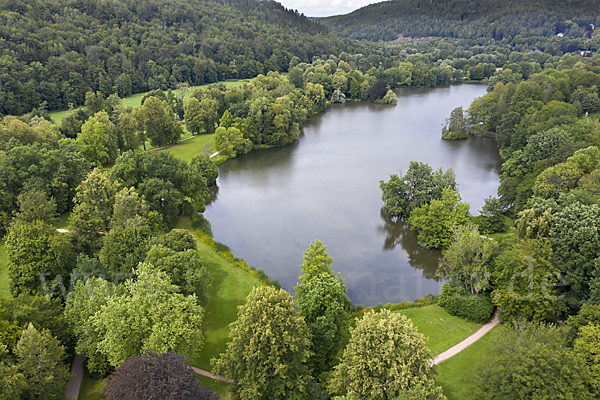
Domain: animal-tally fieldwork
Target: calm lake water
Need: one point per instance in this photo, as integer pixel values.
(271, 204)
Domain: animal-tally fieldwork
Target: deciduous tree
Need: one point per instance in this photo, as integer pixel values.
(434, 222)
(269, 348)
(466, 259)
(150, 375)
(386, 356)
(40, 358)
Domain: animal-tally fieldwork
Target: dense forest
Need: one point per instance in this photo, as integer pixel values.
(55, 52)
(466, 19)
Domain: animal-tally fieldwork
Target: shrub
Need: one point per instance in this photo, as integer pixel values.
(472, 307)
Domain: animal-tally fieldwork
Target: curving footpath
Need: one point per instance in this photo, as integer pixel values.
(467, 342)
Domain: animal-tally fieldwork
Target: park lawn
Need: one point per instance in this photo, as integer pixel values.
(188, 149)
(91, 389)
(442, 329)
(458, 375)
(230, 285)
(4, 281)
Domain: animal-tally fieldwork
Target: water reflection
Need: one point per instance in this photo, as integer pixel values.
(398, 232)
(213, 194)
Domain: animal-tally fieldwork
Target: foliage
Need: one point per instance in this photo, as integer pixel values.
(56, 172)
(35, 205)
(125, 246)
(466, 260)
(316, 262)
(459, 302)
(268, 349)
(456, 127)
(37, 255)
(12, 381)
(493, 212)
(148, 315)
(93, 210)
(385, 356)
(526, 280)
(338, 97)
(322, 301)
(378, 90)
(177, 240)
(158, 121)
(587, 348)
(434, 222)
(389, 98)
(87, 298)
(165, 376)
(40, 358)
(169, 185)
(589, 314)
(471, 19)
(42, 313)
(575, 237)
(207, 168)
(531, 361)
(230, 142)
(184, 268)
(417, 187)
(12, 128)
(128, 204)
(97, 140)
(201, 115)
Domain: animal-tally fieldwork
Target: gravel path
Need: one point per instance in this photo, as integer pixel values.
(72, 389)
(467, 342)
(210, 375)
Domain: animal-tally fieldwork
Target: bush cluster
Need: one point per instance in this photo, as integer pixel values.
(472, 307)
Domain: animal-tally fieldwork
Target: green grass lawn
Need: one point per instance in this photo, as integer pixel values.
(190, 148)
(442, 329)
(91, 389)
(4, 287)
(229, 287)
(458, 375)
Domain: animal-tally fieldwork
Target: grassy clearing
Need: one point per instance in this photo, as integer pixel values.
(190, 148)
(458, 375)
(4, 281)
(442, 329)
(136, 99)
(91, 389)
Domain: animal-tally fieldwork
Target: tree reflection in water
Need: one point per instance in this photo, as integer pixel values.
(398, 232)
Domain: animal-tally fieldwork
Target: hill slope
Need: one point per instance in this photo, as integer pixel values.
(56, 50)
(466, 19)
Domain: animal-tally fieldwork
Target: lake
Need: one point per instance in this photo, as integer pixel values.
(272, 203)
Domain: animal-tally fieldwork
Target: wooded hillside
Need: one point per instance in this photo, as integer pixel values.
(56, 51)
(465, 19)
